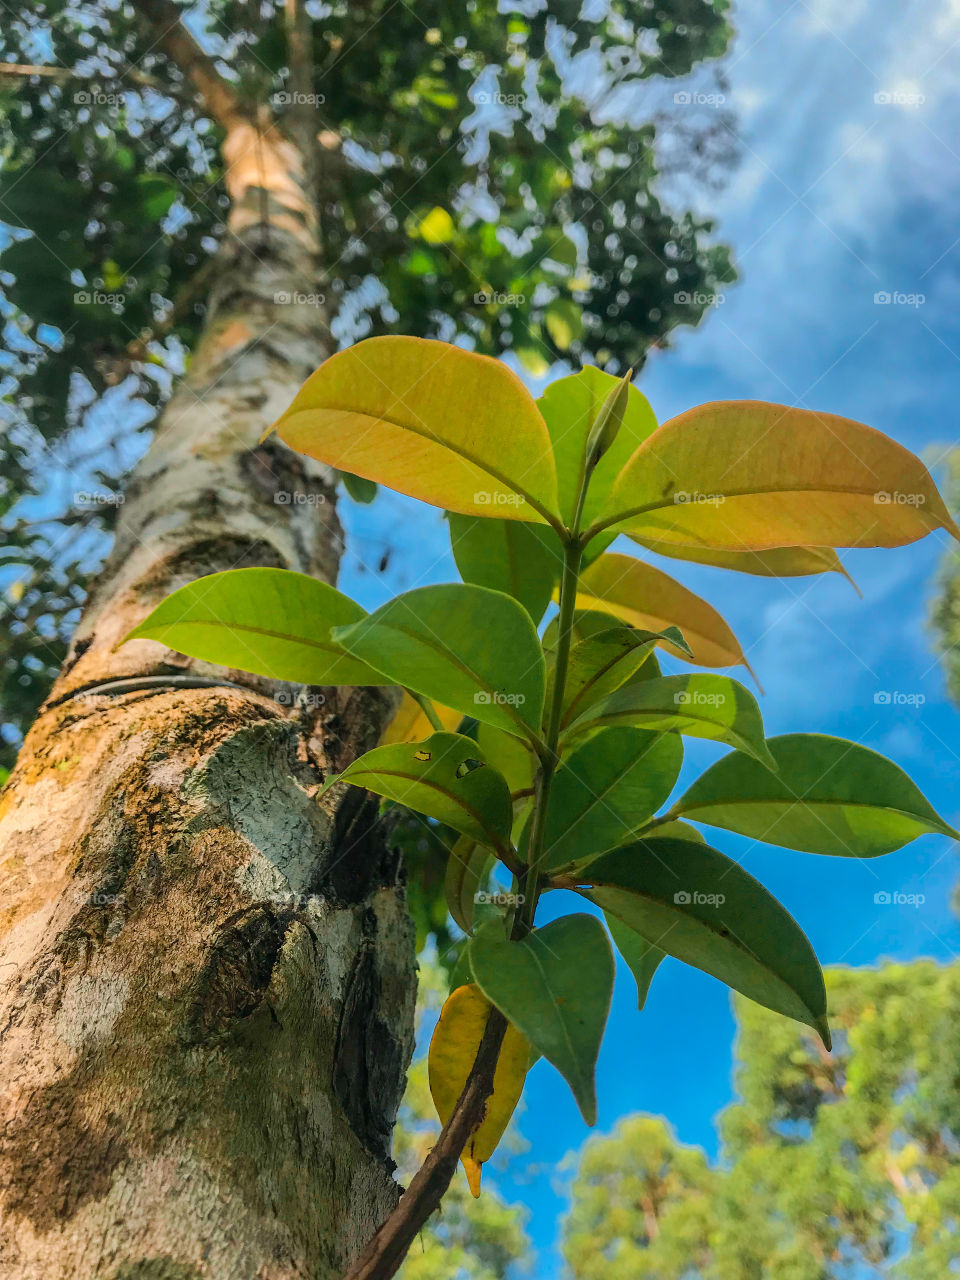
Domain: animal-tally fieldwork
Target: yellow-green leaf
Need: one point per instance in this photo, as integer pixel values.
(437, 227)
(749, 476)
(411, 723)
(431, 420)
(777, 562)
(650, 599)
(453, 1051)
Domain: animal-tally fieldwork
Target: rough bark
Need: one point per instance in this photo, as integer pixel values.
(206, 975)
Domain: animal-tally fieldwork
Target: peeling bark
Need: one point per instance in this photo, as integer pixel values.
(206, 973)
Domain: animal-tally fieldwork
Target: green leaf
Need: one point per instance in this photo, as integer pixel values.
(510, 755)
(564, 323)
(464, 646)
(555, 986)
(829, 796)
(694, 903)
(673, 831)
(570, 407)
(521, 560)
(270, 621)
(444, 777)
(431, 420)
(703, 705)
(642, 958)
(603, 794)
(605, 662)
(466, 872)
(359, 489)
(776, 562)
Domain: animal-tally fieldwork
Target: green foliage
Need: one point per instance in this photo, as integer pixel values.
(504, 555)
(832, 1165)
(588, 755)
(456, 156)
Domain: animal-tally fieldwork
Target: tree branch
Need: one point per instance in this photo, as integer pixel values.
(217, 96)
(386, 1251)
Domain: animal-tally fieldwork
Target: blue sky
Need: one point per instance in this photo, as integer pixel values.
(840, 195)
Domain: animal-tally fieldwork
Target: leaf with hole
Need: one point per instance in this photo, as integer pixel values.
(702, 705)
(431, 420)
(521, 560)
(453, 1050)
(273, 622)
(647, 598)
(555, 986)
(464, 646)
(828, 796)
(444, 777)
(743, 475)
(689, 900)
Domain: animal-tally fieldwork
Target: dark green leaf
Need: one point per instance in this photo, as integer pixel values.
(555, 986)
(696, 904)
(521, 560)
(642, 957)
(358, 487)
(606, 661)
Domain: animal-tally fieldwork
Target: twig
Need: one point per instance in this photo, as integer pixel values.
(382, 1257)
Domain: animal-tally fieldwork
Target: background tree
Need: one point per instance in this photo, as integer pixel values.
(832, 1164)
(207, 977)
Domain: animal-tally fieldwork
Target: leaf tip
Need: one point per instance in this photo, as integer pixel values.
(473, 1169)
(269, 432)
(822, 1028)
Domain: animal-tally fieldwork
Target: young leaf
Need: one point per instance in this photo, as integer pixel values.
(606, 661)
(453, 1050)
(748, 476)
(521, 560)
(411, 722)
(555, 985)
(604, 793)
(694, 903)
(466, 647)
(444, 777)
(777, 562)
(570, 407)
(432, 420)
(703, 705)
(828, 796)
(609, 420)
(642, 958)
(466, 869)
(273, 622)
(650, 599)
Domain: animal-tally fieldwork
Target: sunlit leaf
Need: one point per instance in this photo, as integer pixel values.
(521, 560)
(555, 985)
(514, 760)
(603, 662)
(270, 621)
(746, 476)
(778, 562)
(650, 599)
(569, 407)
(463, 646)
(411, 722)
(692, 902)
(702, 705)
(829, 796)
(431, 420)
(453, 1051)
(444, 777)
(437, 227)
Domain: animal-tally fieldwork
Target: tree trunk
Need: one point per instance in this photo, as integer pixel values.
(206, 975)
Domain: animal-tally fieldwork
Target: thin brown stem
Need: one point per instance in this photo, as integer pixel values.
(382, 1257)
